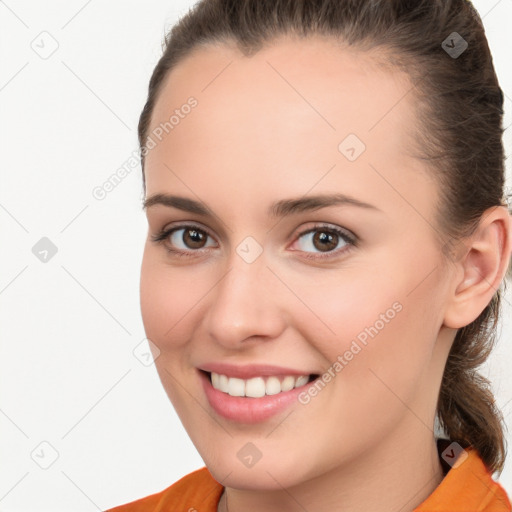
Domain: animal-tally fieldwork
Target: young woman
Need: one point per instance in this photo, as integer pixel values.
(328, 241)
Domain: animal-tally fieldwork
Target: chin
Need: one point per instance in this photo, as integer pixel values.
(270, 475)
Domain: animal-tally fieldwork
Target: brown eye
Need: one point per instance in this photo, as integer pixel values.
(321, 239)
(324, 242)
(184, 240)
(193, 238)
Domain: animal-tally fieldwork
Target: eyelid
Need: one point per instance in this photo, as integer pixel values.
(317, 226)
(184, 224)
(168, 229)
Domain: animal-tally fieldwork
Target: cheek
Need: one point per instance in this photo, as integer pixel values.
(377, 334)
(169, 298)
(166, 300)
(387, 303)
(355, 307)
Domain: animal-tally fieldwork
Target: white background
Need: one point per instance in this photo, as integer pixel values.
(69, 326)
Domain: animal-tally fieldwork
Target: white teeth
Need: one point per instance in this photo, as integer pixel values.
(223, 383)
(272, 386)
(256, 387)
(215, 380)
(301, 381)
(288, 383)
(236, 387)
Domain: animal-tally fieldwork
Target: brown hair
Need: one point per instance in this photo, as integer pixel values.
(460, 109)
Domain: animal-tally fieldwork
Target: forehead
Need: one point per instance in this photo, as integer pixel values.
(284, 109)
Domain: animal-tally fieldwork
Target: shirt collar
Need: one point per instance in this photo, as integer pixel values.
(466, 486)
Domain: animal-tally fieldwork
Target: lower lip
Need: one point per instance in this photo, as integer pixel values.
(247, 409)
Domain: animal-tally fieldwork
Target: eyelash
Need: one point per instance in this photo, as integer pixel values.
(349, 238)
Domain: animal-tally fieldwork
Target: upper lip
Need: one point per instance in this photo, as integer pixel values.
(250, 370)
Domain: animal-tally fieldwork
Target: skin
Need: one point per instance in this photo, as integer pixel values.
(365, 442)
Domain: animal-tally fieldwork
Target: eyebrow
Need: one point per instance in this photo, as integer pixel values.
(282, 208)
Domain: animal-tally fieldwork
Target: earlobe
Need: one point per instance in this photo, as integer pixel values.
(481, 268)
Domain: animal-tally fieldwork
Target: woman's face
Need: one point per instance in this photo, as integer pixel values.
(352, 291)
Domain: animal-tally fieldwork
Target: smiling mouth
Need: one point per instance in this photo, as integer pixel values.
(257, 387)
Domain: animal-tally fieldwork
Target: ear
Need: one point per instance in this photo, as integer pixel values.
(481, 268)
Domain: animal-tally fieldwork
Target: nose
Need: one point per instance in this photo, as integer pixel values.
(246, 305)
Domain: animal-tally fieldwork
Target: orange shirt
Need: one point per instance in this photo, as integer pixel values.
(468, 487)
